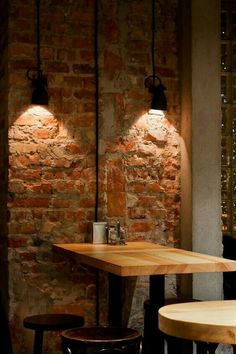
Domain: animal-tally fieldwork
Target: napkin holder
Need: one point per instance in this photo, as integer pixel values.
(99, 232)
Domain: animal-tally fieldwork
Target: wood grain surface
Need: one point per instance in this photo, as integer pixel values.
(144, 258)
(207, 321)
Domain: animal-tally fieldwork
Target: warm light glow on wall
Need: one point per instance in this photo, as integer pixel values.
(158, 113)
(40, 116)
(35, 115)
(156, 122)
(38, 111)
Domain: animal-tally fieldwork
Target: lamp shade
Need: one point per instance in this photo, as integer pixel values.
(39, 81)
(40, 94)
(159, 101)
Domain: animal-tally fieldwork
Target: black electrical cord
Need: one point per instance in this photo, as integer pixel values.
(97, 143)
(38, 37)
(153, 39)
(159, 101)
(96, 106)
(151, 79)
(35, 74)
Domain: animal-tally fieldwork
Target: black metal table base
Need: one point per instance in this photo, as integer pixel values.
(153, 339)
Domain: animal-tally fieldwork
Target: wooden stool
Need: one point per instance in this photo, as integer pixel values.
(50, 322)
(104, 339)
(208, 323)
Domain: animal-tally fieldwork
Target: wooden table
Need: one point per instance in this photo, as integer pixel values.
(143, 258)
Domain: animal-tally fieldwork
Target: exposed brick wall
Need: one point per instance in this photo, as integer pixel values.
(141, 153)
(52, 150)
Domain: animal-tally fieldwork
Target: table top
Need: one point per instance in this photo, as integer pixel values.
(144, 258)
(207, 321)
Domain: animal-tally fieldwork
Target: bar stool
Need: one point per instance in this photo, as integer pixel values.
(50, 322)
(208, 323)
(101, 339)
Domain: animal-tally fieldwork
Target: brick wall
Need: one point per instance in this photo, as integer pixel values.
(141, 154)
(52, 149)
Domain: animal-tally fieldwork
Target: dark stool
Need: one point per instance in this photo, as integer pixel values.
(50, 322)
(101, 339)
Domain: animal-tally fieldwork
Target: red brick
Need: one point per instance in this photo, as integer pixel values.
(83, 228)
(58, 67)
(87, 202)
(116, 204)
(42, 188)
(148, 201)
(112, 63)
(73, 148)
(28, 256)
(29, 174)
(32, 202)
(137, 187)
(115, 176)
(43, 133)
(136, 161)
(52, 215)
(81, 43)
(60, 203)
(137, 213)
(112, 30)
(17, 241)
(22, 227)
(83, 69)
(46, 53)
(143, 226)
(120, 145)
(75, 215)
(154, 187)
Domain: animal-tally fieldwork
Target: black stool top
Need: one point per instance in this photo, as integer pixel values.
(53, 322)
(100, 335)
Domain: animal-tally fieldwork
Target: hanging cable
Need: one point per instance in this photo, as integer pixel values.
(38, 35)
(39, 81)
(96, 107)
(153, 39)
(97, 144)
(158, 101)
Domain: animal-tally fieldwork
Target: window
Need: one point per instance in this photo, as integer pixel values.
(228, 99)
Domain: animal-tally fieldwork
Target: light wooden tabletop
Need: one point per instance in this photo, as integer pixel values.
(207, 321)
(144, 258)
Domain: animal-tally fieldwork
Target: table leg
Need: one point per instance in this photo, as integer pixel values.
(201, 348)
(153, 339)
(115, 284)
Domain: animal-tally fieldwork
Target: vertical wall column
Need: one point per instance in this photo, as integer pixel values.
(201, 152)
(4, 154)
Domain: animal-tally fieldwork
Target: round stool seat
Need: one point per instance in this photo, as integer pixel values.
(50, 322)
(101, 338)
(53, 322)
(205, 321)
